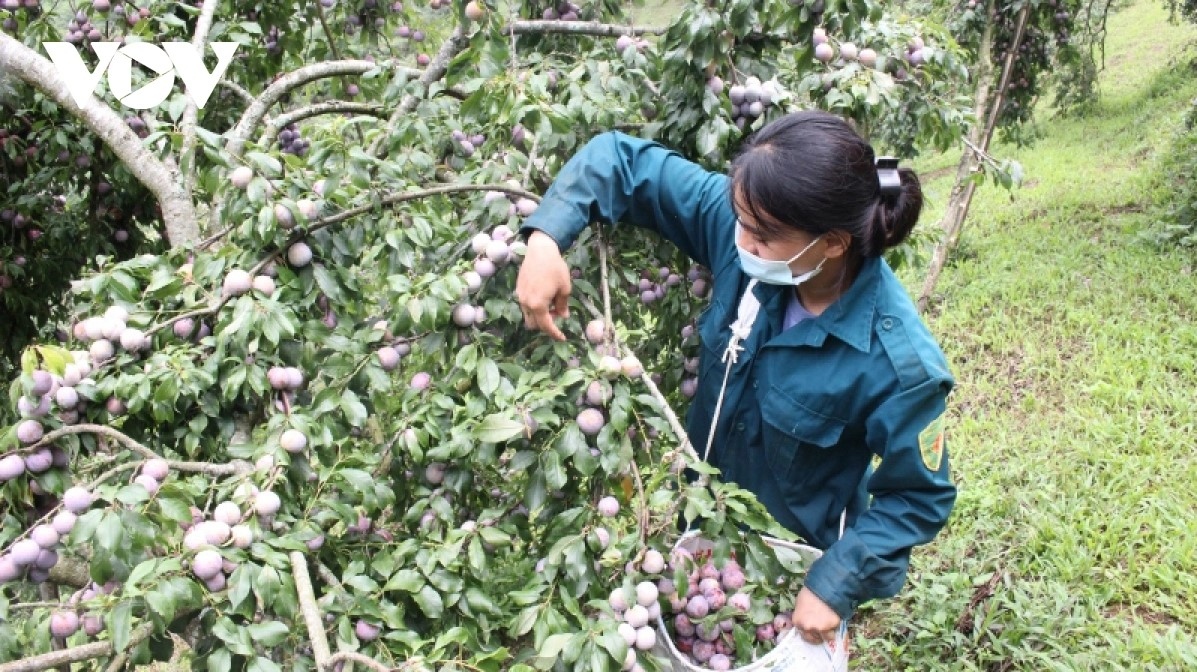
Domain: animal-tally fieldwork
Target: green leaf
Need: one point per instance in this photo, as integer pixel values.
(497, 428)
(162, 604)
(407, 580)
(120, 625)
(109, 532)
(355, 411)
(174, 509)
(241, 583)
(554, 470)
(267, 585)
(220, 660)
(269, 633)
(430, 602)
(488, 376)
(553, 646)
(477, 556)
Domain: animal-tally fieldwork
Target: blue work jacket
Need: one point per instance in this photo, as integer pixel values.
(807, 408)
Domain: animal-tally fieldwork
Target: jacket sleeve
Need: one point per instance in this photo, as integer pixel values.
(617, 177)
(912, 497)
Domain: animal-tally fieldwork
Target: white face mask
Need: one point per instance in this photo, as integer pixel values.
(774, 272)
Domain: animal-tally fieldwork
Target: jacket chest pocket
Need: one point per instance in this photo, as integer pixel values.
(797, 438)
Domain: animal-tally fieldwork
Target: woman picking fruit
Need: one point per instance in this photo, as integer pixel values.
(814, 358)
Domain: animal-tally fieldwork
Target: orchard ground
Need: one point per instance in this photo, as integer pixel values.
(1075, 351)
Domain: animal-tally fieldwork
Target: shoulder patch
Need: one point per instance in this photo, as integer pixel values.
(931, 443)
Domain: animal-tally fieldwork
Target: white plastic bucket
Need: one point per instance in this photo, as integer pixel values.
(791, 653)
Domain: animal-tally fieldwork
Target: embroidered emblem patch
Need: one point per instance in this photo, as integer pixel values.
(931, 444)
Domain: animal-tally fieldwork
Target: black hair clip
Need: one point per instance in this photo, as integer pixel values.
(887, 176)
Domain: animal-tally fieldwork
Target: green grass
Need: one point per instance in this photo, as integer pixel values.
(1075, 349)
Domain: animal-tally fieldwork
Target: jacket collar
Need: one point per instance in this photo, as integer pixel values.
(850, 318)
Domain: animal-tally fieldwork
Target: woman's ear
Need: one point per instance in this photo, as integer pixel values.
(837, 244)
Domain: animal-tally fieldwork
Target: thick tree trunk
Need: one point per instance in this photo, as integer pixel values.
(988, 108)
(178, 212)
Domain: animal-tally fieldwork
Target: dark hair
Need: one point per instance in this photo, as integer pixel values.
(811, 171)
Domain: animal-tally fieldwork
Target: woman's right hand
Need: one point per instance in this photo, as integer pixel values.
(543, 285)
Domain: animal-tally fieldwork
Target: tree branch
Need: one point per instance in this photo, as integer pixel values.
(236, 88)
(592, 28)
(233, 468)
(393, 199)
(178, 212)
(351, 656)
(330, 107)
(453, 45)
(191, 112)
(75, 654)
(310, 610)
(253, 115)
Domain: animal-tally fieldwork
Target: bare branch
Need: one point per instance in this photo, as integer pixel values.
(191, 112)
(178, 212)
(453, 45)
(310, 610)
(592, 28)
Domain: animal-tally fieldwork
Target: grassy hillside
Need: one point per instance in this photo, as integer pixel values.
(1075, 348)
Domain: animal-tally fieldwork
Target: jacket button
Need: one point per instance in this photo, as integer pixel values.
(754, 384)
(739, 427)
(887, 324)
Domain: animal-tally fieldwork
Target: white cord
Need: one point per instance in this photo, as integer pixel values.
(746, 314)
